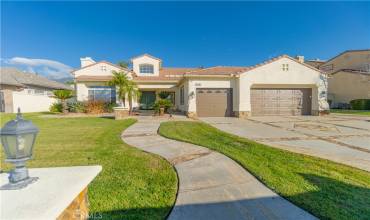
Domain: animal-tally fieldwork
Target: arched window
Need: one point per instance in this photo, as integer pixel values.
(146, 68)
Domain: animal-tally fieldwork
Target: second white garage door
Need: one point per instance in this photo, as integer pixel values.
(295, 101)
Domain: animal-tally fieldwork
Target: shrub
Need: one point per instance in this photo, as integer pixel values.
(163, 94)
(56, 107)
(94, 107)
(63, 95)
(360, 104)
(78, 107)
(108, 107)
(162, 103)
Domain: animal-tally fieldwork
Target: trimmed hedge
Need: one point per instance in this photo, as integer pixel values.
(360, 104)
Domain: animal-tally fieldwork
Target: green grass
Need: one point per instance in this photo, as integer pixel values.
(353, 112)
(326, 189)
(132, 185)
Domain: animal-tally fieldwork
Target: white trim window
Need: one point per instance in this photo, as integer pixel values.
(146, 68)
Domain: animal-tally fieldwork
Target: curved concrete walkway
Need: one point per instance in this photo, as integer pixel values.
(211, 186)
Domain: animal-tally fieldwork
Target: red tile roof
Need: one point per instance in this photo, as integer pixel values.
(217, 70)
(93, 78)
(176, 74)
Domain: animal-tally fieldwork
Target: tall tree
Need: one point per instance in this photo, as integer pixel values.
(132, 93)
(120, 81)
(63, 95)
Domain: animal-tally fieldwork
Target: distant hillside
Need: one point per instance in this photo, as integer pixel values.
(62, 80)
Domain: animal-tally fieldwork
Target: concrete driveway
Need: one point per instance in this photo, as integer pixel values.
(340, 138)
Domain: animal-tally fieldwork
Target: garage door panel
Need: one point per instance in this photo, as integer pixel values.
(295, 101)
(214, 102)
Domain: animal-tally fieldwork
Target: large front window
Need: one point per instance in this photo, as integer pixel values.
(102, 93)
(146, 68)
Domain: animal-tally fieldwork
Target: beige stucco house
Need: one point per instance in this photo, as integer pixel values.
(28, 91)
(280, 86)
(348, 76)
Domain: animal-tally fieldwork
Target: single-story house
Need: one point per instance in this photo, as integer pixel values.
(27, 91)
(348, 76)
(280, 86)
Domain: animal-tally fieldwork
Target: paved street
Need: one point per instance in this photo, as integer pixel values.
(341, 138)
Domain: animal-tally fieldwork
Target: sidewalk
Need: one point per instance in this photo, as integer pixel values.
(211, 185)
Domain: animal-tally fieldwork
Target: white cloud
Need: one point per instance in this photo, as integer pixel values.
(48, 68)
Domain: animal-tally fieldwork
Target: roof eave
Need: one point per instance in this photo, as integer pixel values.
(156, 81)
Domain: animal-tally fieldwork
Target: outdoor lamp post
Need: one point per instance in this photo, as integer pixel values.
(18, 137)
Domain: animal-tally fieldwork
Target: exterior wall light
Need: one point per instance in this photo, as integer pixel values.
(18, 137)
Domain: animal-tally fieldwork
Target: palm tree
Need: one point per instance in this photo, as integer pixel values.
(132, 93)
(121, 81)
(123, 64)
(63, 95)
(125, 87)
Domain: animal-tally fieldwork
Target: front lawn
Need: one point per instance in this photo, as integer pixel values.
(326, 189)
(132, 185)
(353, 112)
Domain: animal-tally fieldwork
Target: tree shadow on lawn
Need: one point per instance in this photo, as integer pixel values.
(332, 200)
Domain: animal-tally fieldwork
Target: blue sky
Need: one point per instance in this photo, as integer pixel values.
(49, 38)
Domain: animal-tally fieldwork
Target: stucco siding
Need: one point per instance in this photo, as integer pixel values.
(273, 76)
(193, 84)
(99, 69)
(146, 60)
(359, 60)
(344, 87)
(31, 103)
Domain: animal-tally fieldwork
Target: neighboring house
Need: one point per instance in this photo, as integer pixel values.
(27, 91)
(280, 86)
(349, 76)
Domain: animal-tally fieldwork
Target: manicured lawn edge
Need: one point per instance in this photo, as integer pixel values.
(351, 112)
(174, 169)
(133, 184)
(327, 189)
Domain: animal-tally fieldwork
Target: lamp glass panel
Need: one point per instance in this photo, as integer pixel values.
(24, 145)
(9, 142)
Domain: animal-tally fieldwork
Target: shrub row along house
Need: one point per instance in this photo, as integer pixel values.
(349, 76)
(28, 91)
(280, 86)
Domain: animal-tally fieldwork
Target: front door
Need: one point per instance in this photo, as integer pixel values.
(147, 100)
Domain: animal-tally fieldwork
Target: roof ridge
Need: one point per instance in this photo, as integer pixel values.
(347, 51)
(146, 54)
(101, 61)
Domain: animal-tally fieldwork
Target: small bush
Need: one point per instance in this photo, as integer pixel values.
(56, 107)
(109, 107)
(162, 103)
(95, 107)
(360, 104)
(164, 94)
(78, 107)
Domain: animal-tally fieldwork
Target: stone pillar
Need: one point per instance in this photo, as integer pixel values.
(191, 114)
(78, 209)
(121, 113)
(242, 114)
(324, 112)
